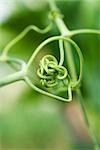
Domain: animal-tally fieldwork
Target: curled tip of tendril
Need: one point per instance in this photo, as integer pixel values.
(50, 72)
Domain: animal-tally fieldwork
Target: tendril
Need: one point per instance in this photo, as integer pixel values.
(17, 76)
(83, 31)
(74, 84)
(22, 35)
(50, 72)
(29, 82)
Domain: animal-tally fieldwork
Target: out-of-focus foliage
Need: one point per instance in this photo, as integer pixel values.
(29, 120)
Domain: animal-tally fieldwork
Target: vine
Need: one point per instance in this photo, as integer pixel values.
(50, 71)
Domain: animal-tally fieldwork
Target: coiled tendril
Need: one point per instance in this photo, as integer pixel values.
(50, 71)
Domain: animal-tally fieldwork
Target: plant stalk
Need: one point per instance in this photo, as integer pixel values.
(65, 31)
(11, 78)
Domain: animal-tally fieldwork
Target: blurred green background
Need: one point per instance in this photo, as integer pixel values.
(28, 120)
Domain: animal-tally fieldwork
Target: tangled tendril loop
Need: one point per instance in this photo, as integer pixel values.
(50, 71)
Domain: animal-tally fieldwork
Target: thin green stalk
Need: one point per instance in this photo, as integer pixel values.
(84, 31)
(70, 62)
(15, 76)
(61, 48)
(12, 78)
(22, 34)
(60, 24)
(96, 146)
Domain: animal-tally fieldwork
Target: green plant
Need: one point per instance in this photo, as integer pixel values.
(51, 72)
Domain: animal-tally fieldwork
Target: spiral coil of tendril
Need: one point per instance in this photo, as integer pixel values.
(50, 72)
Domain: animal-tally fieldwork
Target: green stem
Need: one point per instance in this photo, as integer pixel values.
(61, 52)
(57, 17)
(96, 146)
(70, 62)
(15, 76)
(64, 32)
(22, 34)
(11, 78)
(60, 24)
(84, 31)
